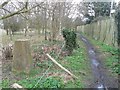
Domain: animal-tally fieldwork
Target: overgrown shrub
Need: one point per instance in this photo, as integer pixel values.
(70, 39)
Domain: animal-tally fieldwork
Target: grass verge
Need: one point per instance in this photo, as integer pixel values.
(77, 63)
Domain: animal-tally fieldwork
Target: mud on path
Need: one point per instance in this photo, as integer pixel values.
(102, 78)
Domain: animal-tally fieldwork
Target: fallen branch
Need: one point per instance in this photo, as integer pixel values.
(61, 66)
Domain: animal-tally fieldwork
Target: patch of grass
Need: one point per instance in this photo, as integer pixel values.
(49, 82)
(52, 83)
(34, 72)
(46, 42)
(33, 40)
(79, 65)
(5, 83)
(74, 84)
(77, 60)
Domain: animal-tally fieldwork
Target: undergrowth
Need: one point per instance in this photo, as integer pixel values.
(77, 63)
(49, 82)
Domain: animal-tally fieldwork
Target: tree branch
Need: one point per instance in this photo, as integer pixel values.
(12, 14)
(23, 10)
(17, 12)
(5, 3)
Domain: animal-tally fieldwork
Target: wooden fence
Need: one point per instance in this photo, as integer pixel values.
(102, 30)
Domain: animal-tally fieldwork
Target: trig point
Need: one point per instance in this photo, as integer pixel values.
(22, 59)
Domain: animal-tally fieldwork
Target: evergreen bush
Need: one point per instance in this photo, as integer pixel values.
(70, 39)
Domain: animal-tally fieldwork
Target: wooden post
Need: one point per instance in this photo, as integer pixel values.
(22, 59)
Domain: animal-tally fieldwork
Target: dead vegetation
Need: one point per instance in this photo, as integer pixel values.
(7, 52)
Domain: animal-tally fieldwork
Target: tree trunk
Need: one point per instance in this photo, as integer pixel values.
(45, 32)
(45, 35)
(25, 32)
(53, 25)
(10, 32)
(7, 31)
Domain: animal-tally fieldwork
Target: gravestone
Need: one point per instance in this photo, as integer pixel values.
(22, 59)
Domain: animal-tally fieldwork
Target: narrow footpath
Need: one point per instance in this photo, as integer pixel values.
(101, 79)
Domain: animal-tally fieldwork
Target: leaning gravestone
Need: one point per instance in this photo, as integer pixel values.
(22, 59)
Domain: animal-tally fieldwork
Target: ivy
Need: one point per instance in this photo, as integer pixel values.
(70, 39)
(48, 82)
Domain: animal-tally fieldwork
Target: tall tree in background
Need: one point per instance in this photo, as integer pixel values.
(102, 8)
(93, 10)
(43, 16)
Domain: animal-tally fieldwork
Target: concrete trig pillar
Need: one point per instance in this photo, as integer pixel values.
(22, 59)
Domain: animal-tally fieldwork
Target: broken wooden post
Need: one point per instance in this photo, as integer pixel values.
(22, 59)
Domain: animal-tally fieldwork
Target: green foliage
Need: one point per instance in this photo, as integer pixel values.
(78, 63)
(44, 64)
(102, 8)
(77, 60)
(52, 83)
(70, 39)
(112, 62)
(5, 83)
(75, 84)
(49, 82)
(107, 48)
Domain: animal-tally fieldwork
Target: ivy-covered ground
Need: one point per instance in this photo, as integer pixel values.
(45, 74)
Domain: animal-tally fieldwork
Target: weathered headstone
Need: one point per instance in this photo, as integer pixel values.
(22, 59)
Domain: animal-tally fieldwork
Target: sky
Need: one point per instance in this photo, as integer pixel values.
(74, 1)
(77, 1)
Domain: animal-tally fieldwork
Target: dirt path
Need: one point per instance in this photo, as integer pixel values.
(101, 77)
